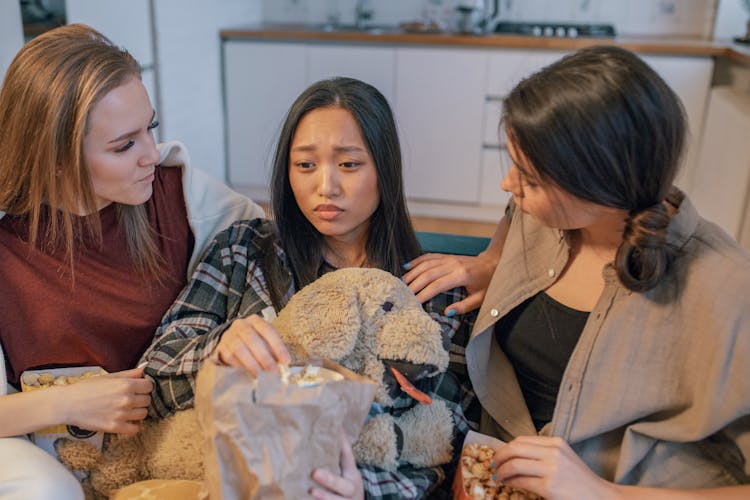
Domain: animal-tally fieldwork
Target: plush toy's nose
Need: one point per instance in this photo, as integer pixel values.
(412, 371)
(404, 376)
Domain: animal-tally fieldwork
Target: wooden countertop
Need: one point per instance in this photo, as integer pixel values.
(653, 45)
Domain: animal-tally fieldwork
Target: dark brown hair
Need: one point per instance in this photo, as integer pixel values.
(603, 126)
(391, 240)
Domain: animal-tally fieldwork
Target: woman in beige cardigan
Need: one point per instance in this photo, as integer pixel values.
(611, 349)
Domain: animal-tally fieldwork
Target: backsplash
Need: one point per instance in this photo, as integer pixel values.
(687, 18)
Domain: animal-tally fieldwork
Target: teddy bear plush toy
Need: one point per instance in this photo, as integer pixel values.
(365, 319)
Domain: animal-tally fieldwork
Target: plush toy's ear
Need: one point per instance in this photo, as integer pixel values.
(325, 318)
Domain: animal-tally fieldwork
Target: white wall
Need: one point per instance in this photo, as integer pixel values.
(177, 42)
(127, 24)
(631, 17)
(11, 33)
(731, 19)
(189, 63)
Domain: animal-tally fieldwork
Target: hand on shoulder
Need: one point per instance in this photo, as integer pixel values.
(431, 274)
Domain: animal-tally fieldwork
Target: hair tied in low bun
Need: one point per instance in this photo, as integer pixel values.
(646, 228)
(644, 257)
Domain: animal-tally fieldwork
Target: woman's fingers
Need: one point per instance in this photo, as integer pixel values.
(140, 401)
(544, 464)
(471, 302)
(346, 486)
(337, 486)
(132, 373)
(438, 285)
(439, 274)
(137, 414)
(423, 258)
(436, 265)
(253, 344)
(527, 447)
(134, 378)
(239, 357)
(272, 339)
(127, 428)
(520, 467)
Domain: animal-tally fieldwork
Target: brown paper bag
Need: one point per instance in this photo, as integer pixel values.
(264, 440)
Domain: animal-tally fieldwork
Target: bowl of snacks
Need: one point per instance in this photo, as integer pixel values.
(34, 380)
(474, 480)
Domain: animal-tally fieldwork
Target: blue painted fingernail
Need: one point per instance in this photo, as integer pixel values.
(451, 313)
(494, 476)
(406, 265)
(492, 465)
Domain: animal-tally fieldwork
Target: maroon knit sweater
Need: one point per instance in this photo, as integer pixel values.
(109, 315)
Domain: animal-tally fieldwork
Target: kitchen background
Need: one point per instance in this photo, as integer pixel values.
(178, 44)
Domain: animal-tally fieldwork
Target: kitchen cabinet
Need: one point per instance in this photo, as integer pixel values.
(127, 24)
(505, 69)
(446, 100)
(11, 34)
(724, 164)
(262, 80)
(690, 78)
(259, 91)
(439, 104)
(373, 65)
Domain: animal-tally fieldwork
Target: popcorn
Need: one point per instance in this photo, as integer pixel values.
(307, 376)
(476, 471)
(33, 380)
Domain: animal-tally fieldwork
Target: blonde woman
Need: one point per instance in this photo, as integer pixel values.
(99, 228)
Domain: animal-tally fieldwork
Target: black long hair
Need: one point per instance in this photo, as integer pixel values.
(603, 126)
(390, 240)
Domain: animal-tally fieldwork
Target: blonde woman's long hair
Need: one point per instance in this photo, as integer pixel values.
(47, 96)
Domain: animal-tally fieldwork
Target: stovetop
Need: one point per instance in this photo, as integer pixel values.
(556, 30)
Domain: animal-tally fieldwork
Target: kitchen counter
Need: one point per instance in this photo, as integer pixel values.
(647, 45)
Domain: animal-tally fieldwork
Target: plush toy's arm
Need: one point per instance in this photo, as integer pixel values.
(427, 432)
(421, 437)
(378, 443)
(77, 455)
(384, 438)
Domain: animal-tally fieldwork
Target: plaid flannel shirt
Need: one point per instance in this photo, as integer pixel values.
(229, 283)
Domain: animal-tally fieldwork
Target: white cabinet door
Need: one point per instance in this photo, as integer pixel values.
(506, 68)
(722, 180)
(690, 78)
(374, 65)
(126, 23)
(495, 166)
(262, 79)
(439, 105)
(11, 34)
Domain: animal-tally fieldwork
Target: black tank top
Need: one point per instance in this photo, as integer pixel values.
(539, 336)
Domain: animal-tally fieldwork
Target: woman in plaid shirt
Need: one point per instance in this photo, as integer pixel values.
(338, 201)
